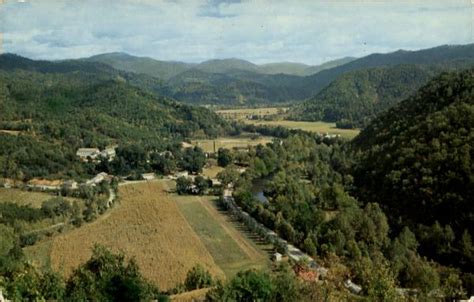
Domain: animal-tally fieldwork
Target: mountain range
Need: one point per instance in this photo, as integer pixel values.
(235, 82)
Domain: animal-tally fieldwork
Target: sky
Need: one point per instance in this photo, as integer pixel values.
(306, 31)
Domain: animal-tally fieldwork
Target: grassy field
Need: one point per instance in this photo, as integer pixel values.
(211, 171)
(146, 225)
(229, 247)
(242, 113)
(22, 197)
(230, 142)
(39, 254)
(319, 127)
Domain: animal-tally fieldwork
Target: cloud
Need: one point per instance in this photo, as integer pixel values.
(257, 30)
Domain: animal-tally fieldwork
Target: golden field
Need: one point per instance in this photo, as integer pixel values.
(318, 127)
(148, 226)
(230, 142)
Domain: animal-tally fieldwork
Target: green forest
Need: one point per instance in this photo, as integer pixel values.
(391, 209)
(59, 107)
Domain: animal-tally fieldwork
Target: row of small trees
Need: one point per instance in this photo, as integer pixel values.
(264, 233)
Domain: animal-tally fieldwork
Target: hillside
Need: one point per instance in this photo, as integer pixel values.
(57, 112)
(356, 97)
(160, 69)
(416, 161)
(441, 55)
(327, 65)
(239, 82)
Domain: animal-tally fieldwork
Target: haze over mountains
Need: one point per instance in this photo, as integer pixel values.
(348, 91)
(168, 69)
(235, 82)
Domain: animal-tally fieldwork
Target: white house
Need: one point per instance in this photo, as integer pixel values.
(277, 257)
(148, 176)
(354, 288)
(85, 153)
(109, 152)
(70, 184)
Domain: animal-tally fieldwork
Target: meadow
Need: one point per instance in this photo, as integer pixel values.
(231, 142)
(318, 127)
(243, 113)
(230, 247)
(24, 198)
(275, 116)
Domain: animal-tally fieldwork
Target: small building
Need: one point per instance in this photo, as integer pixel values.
(194, 189)
(186, 145)
(148, 176)
(182, 174)
(276, 257)
(109, 152)
(167, 154)
(70, 184)
(354, 288)
(85, 153)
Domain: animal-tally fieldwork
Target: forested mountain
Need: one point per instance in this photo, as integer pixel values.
(239, 82)
(160, 69)
(237, 87)
(416, 161)
(441, 55)
(356, 97)
(72, 106)
(330, 64)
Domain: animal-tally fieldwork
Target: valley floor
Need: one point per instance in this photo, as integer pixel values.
(166, 233)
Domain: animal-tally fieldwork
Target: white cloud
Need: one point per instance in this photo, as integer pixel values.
(260, 31)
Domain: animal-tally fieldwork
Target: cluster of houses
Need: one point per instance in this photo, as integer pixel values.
(86, 154)
(57, 184)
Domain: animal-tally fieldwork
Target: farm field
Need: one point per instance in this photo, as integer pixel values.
(320, 127)
(242, 113)
(21, 197)
(229, 247)
(146, 225)
(230, 142)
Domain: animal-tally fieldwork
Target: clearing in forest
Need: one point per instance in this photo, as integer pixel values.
(27, 198)
(231, 142)
(318, 127)
(146, 225)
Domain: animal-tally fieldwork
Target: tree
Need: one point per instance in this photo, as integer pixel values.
(224, 157)
(162, 164)
(250, 285)
(376, 279)
(193, 160)
(76, 217)
(183, 185)
(108, 277)
(198, 277)
(202, 184)
(228, 175)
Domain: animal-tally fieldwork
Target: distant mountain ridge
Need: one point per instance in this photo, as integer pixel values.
(236, 82)
(168, 69)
